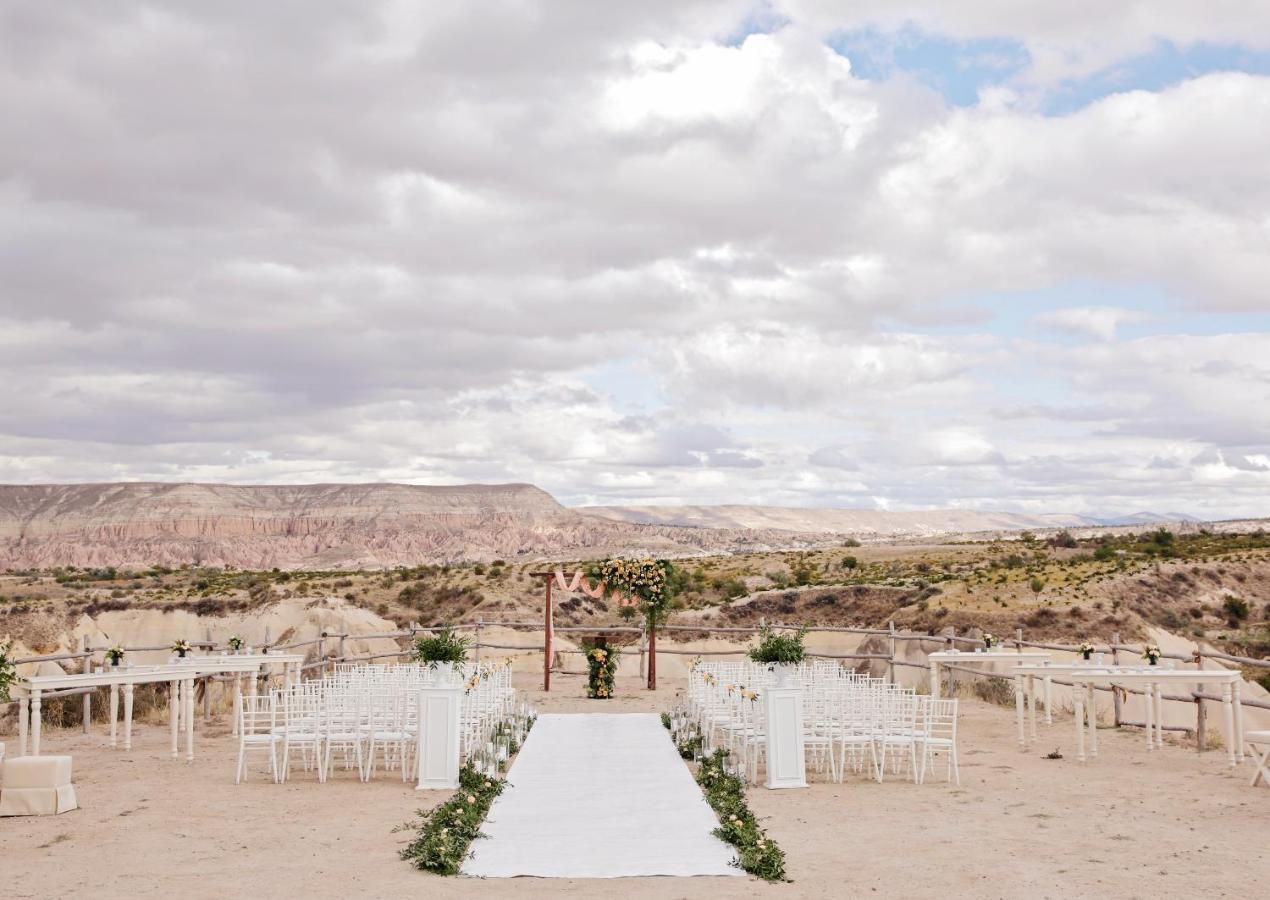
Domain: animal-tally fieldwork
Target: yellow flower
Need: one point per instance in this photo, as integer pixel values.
(471, 799)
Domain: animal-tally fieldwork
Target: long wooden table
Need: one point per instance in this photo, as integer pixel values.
(1085, 677)
(29, 691)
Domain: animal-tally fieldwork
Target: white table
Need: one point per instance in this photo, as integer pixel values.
(1085, 677)
(960, 658)
(29, 690)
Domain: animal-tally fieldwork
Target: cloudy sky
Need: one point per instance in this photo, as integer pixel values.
(880, 253)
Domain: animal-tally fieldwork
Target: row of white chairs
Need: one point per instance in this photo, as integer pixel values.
(366, 716)
(849, 720)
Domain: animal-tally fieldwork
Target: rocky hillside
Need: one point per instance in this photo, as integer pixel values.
(327, 526)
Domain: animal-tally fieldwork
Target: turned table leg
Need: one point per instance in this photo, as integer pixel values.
(127, 716)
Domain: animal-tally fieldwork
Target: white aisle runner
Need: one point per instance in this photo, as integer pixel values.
(599, 796)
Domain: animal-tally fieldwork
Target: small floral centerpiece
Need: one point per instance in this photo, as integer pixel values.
(1085, 649)
(601, 659)
(8, 670)
(115, 655)
(1151, 654)
(181, 648)
(235, 643)
(990, 640)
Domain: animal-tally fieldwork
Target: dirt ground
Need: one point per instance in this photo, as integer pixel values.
(1130, 824)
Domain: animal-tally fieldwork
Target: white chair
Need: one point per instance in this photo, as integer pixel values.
(301, 728)
(897, 737)
(386, 733)
(1259, 748)
(258, 730)
(342, 729)
(938, 734)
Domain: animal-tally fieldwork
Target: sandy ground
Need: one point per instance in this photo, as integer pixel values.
(1131, 824)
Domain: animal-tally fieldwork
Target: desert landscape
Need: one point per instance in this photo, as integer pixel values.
(708, 448)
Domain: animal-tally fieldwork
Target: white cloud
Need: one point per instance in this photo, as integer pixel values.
(1099, 322)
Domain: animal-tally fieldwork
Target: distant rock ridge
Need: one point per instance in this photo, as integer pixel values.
(371, 525)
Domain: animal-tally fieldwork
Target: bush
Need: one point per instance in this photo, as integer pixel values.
(775, 648)
(850, 562)
(1236, 608)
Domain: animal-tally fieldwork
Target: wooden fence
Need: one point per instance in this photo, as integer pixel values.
(329, 649)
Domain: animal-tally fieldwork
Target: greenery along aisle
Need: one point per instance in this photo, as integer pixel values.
(446, 831)
(601, 658)
(756, 852)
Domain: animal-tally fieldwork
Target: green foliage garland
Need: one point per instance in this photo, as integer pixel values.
(444, 646)
(8, 671)
(601, 659)
(756, 852)
(775, 647)
(446, 831)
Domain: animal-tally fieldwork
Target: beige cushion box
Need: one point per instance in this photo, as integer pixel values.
(36, 786)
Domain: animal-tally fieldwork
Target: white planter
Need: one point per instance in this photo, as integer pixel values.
(783, 674)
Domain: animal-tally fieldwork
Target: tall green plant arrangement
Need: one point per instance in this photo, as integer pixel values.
(651, 585)
(774, 647)
(601, 659)
(443, 647)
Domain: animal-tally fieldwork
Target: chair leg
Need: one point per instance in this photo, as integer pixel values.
(242, 758)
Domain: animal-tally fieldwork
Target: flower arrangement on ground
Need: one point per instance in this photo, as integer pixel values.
(8, 670)
(181, 648)
(601, 660)
(756, 852)
(776, 648)
(1085, 649)
(650, 585)
(990, 640)
(1151, 653)
(235, 643)
(115, 655)
(446, 832)
(443, 647)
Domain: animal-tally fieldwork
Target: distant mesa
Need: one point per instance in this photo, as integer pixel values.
(373, 525)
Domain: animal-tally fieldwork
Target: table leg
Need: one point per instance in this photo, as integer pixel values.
(1159, 715)
(253, 688)
(238, 700)
(1228, 713)
(1093, 720)
(934, 679)
(24, 717)
(1147, 696)
(174, 714)
(189, 720)
(1078, 708)
(35, 722)
(1018, 710)
(114, 715)
(1031, 705)
(127, 716)
(1049, 700)
(1238, 711)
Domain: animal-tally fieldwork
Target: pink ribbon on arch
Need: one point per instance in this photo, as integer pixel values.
(579, 582)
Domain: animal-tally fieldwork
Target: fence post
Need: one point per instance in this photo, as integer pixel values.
(1018, 639)
(1115, 660)
(643, 650)
(1201, 712)
(88, 697)
(890, 663)
(479, 623)
(207, 682)
(340, 650)
(321, 652)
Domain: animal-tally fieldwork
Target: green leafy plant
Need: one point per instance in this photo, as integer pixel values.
(8, 670)
(443, 647)
(601, 659)
(665, 721)
(756, 853)
(779, 647)
(445, 832)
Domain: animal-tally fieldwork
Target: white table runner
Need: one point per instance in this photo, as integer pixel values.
(599, 796)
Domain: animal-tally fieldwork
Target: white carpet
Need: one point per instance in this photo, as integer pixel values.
(599, 796)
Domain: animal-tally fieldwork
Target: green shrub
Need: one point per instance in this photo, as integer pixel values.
(444, 646)
(1236, 608)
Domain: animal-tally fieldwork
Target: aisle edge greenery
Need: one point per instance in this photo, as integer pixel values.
(445, 832)
(756, 853)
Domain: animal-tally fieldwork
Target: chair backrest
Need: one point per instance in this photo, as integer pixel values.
(939, 718)
(258, 715)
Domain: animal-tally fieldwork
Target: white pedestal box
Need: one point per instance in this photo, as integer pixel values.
(786, 759)
(437, 755)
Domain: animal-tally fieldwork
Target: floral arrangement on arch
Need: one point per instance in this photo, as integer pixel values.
(601, 659)
(644, 582)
